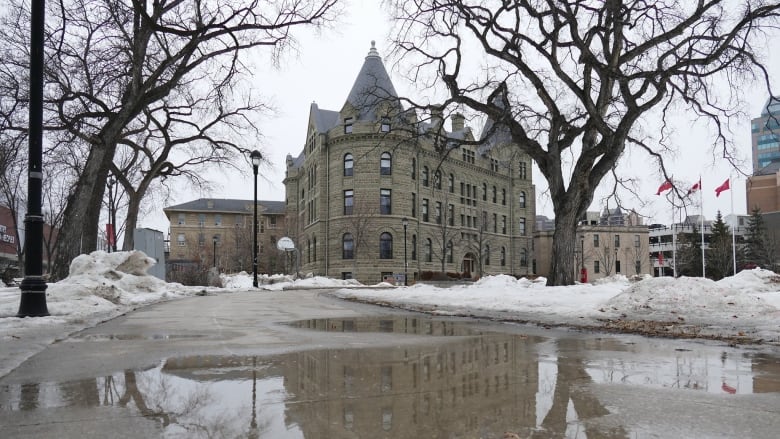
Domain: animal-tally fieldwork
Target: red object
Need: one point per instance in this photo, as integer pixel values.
(583, 275)
(660, 259)
(728, 389)
(695, 187)
(721, 188)
(110, 233)
(664, 187)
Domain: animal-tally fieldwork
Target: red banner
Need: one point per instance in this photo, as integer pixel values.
(110, 234)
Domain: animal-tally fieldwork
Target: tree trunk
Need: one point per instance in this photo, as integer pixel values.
(564, 242)
(133, 205)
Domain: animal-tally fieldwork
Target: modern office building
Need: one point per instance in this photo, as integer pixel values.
(377, 186)
(765, 131)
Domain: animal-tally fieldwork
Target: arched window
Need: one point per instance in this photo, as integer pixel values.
(487, 255)
(449, 252)
(349, 164)
(521, 229)
(524, 257)
(451, 184)
(414, 168)
(437, 180)
(428, 250)
(385, 246)
(385, 164)
(425, 176)
(503, 256)
(522, 199)
(348, 246)
(494, 194)
(484, 191)
(414, 247)
(503, 197)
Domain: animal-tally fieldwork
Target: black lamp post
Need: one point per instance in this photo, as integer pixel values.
(33, 287)
(256, 158)
(111, 216)
(582, 251)
(405, 222)
(215, 239)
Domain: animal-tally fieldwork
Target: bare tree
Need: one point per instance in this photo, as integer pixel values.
(360, 224)
(107, 62)
(570, 83)
(442, 213)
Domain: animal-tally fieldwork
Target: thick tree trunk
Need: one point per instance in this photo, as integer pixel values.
(562, 269)
(131, 220)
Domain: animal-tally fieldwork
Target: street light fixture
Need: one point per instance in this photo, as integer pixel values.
(215, 239)
(256, 159)
(33, 288)
(405, 222)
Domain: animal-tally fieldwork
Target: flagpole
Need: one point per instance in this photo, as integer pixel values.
(701, 207)
(733, 231)
(674, 243)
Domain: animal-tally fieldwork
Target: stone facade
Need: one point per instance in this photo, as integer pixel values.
(369, 166)
(195, 226)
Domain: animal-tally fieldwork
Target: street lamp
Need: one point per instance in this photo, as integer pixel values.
(111, 216)
(405, 222)
(215, 239)
(33, 288)
(256, 158)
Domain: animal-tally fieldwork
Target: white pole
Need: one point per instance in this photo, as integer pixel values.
(674, 245)
(733, 230)
(701, 198)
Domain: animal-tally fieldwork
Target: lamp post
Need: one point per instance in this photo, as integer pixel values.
(215, 239)
(33, 288)
(405, 222)
(111, 216)
(256, 158)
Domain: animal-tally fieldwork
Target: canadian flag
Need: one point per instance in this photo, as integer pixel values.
(695, 187)
(721, 188)
(664, 187)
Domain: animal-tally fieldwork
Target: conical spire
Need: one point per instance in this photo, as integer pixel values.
(373, 88)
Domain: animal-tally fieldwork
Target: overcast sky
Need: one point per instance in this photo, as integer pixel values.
(324, 69)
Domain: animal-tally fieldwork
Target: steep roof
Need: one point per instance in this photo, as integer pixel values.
(372, 88)
(323, 120)
(228, 205)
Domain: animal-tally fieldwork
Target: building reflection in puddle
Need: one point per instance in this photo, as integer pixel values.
(473, 383)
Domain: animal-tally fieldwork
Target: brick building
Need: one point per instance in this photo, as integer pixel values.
(367, 167)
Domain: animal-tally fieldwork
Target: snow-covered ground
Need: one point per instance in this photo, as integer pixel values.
(104, 285)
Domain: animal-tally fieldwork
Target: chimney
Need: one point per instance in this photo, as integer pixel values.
(436, 119)
(458, 122)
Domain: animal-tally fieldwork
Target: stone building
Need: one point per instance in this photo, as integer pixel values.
(469, 205)
(208, 232)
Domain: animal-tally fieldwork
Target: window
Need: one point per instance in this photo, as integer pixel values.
(385, 164)
(451, 184)
(414, 168)
(348, 125)
(217, 220)
(595, 240)
(202, 219)
(425, 176)
(494, 165)
(348, 246)
(523, 257)
(451, 215)
(414, 205)
(523, 170)
(385, 127)
(462, 192)
(494, 194)
(617, 267)
(636, 242)
(521, 229)
(487, 255)
(596, 267)
(522, 199)
(503, 197)
(308, 250)
(349, 201)
(201, 239)
(385, 246)
(428, 250)
(272, 222)
(181, 219)
(437, 212)
(314, 248)
(468, 156)
(503, 224)
(484, 221)
(484, 191)
(449, 252)
(180, 240)
(414, 247)
(385, 206)
(425, 210)
(349, 165)
(239, 220)
(437, 179)
(503, 256)
(617, 241)
(495, 223)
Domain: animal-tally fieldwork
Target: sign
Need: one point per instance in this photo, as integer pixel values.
(285, 244)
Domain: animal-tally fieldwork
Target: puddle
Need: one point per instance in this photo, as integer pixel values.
(476, 386)
(127, 337)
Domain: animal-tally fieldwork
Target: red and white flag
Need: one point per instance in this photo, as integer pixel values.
(664, 187)
(695, 187)
(721, 188)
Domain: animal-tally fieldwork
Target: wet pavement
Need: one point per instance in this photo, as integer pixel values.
(302, 365)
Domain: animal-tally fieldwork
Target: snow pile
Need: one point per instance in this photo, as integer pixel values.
(687, 298)
(756, 280)
(245, 280)
(278, 282)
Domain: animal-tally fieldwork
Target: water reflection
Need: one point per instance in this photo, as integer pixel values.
(476, 387)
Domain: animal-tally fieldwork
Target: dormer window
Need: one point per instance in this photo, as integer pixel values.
(385, 127)
(348, 125)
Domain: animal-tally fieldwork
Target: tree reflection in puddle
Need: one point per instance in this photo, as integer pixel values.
(475, 383)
